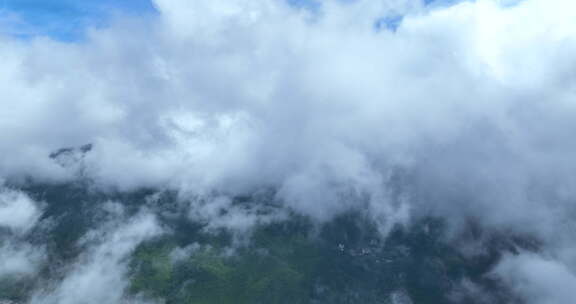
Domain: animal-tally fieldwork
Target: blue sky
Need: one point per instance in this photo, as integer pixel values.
(63, 19)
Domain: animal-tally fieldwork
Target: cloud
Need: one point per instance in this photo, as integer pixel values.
(99, 274)
(19, 259)
(18, 215)
(462, 111)
(538, 280)
(18, 212)
(236, 95)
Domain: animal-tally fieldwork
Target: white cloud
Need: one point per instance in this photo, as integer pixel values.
(538, 280)
(18, 212)
(19, 259)
(471, 104)
(465, 110)
(100, 274)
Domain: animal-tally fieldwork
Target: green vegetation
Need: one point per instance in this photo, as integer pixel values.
(15, 288)
(293, 261)
(276, 267)
(346, 261)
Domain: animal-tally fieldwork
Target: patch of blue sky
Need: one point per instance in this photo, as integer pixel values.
(393, 22)
(65, 20)
(388, 23)
(305, 4)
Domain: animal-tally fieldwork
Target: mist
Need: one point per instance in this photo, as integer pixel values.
(464, 111)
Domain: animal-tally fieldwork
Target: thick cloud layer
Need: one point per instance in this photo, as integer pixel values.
(463, 111)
